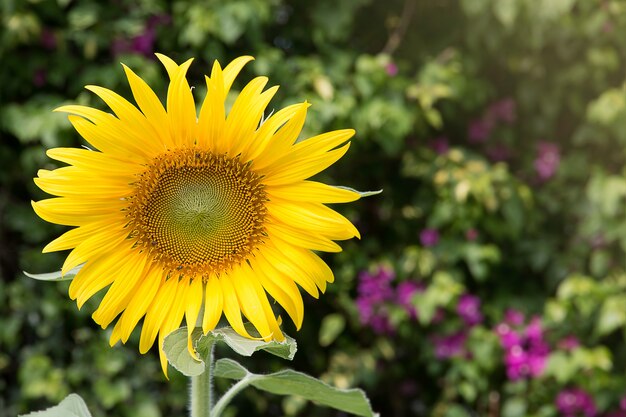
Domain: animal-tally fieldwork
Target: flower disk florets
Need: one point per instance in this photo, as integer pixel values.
(197, 212)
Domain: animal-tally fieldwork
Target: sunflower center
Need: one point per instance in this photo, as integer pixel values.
(198, 212)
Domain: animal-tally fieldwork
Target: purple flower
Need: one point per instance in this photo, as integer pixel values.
(440, 145)
(547, 160)
(429, 237)
(450, 345)
(144, 44)
(514, 317)
(568, 343)
(48, 39)
(404, 296)
(40, 77)
(391, 69)
(622, 403)
(468, 308)
(373, 291)
(525, 351)
(534, 330)
(471, 234)
(503, 110)
(499, 153)
(574, 401)
(479, 131)
(508, 337)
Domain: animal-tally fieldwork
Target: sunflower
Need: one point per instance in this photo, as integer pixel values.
(187, 215)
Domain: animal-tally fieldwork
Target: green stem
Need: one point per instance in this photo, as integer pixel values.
(228, 395)
(202, 389)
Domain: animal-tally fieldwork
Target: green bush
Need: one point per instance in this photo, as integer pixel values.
(490, 277)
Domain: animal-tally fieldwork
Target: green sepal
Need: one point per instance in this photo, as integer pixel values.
(72, 406)
(175, 346)
(363, 194)
(290, 382)
(55, 276)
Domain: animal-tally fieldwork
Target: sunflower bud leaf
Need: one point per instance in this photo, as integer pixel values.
(177, 353)
(72, 406)
(55, 276)
(363, 194)
(290, 382)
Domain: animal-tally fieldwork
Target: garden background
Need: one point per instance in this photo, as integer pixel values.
(490, 279)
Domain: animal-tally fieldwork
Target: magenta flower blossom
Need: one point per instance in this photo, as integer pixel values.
(429, 237)
(509, 338)
(525, 351)
(40, 77)
(499, 153)
(440, 145)
(568, 343)
(450, 346)
(504, 110)
(514, 317)
(391, 69)
(48, 39)
(468, 308)
(143, 43)
(373, 292)
(547, 160)
(479, 131)
(471, 234)
(574, 402)
(404, 296)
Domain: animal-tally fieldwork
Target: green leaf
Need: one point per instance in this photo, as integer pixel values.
(331, 327)
(289, 382)
(175, 347)
(363, 194)
(71, 406)
(55, 276)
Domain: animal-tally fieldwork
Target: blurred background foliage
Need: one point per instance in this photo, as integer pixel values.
(490, 280)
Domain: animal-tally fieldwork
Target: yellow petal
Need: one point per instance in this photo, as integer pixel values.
(141, 300)
(266, 131)
(173, 319)
(70, 211)
(141, 132)
(302, 238)
(99, 243)
(310, 263)
(94, 161)
(249, 301)
(211, 121)
(74, 237)
(157, 312)
(282, 140)
(193, 303)
(315, 192)
(181, 108)
(313, 217)
(95, 275)
(232, 310)
(270, 259)
(293, 172)
(315, 146)
(232, 70)
(213, 304)
(150, 106)
(282, 289)
(128, 278)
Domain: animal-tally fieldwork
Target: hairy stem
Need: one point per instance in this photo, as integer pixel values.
(230, 394)
(202, 389)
